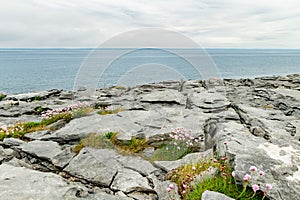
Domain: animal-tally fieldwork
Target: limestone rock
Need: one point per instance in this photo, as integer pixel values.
(21, 183)
(128, 181)
(92, 169)
(210, 195)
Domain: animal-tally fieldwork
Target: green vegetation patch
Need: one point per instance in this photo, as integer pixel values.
(49, 117)
(211, 174)
(110, 110)
(109, 141)
(2, 96)
(97, 141)
(169, 152)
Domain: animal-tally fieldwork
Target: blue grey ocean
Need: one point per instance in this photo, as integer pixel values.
(28, 70)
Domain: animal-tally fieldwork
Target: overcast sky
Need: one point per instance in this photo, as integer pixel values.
(211, 23)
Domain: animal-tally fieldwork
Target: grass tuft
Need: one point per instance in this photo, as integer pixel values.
(210, 174)
(110, 110)
(2, 96)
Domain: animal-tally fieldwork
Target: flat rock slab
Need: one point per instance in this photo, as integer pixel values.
(90, 168)
(210, 195)
(100, 166)
(165, 96)
(18, 183)
(279, 161)
(188, 159)
(128, 181)
(48, 150)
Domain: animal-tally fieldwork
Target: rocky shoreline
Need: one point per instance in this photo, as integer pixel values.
(258, 119)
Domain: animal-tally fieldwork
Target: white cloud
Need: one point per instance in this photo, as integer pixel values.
(212, 23)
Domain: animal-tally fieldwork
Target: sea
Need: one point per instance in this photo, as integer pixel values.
(33, 69)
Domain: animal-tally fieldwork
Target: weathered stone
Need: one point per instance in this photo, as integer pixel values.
(48, 150)
(66, 95)
(166, 96)
(37, 135)
(12, 142)
(250, 121)
(209, 100)
(137, 164)
(5, 154)
(188, 159)
(210, 195)
(128, 181)
(96, 170)
(142, 196)
(22, 183)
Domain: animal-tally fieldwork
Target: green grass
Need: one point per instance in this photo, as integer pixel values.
(109, 141)
(134, 145)
(96, 141)
(194, 179)
(103, 111)
(2, 96)
(37, 98)
(20, 129)
(169, 152)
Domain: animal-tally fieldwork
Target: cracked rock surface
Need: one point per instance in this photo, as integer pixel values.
(258, 119)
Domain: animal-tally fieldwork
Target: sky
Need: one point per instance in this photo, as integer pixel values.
(210, 23)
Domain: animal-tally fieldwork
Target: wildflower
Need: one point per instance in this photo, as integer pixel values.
(261, 173)
(194, 168)
(268, 186)
(247, 177)
(183, 192)
(255, 187)
(184, 186)
(171, 186)
(253, 169)
(169, 189)
(224, 158)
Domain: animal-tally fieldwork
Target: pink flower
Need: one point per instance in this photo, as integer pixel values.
(171, 186)
(247, 177)
(268, 186)
(253, 168)
(233, 174)
(224, 158)
(194, 168)
(183, 192)
(255, 187)
(169, 189)
(261, 173)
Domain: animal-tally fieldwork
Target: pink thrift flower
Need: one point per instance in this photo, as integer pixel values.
(268, 186)
(253, 168)
(233, 174)
(261, 173)
(247, 177)
(168, 189)
(223, 158)
(194, 168)
(255, 187)
(183, 192)
(171, 186)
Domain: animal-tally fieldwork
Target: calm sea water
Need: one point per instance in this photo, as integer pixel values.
(27, 70)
